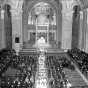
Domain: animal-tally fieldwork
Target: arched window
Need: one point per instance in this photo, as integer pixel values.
(44, 11)
(42, 21)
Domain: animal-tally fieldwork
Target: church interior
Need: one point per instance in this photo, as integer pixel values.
(43, 43)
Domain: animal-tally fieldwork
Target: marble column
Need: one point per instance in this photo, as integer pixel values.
(67, 13)
(16, 26)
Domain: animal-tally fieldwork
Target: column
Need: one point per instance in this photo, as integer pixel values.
(84, 31)
(80, 30)
(67, 13)
(76, 27)
(16, 26)
(87, 34)
(2, 31)
(8, 26)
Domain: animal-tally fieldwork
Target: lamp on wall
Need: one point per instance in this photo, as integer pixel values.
(17, 40)
(17, 43)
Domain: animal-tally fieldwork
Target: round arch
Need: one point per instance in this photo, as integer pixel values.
(27, 6)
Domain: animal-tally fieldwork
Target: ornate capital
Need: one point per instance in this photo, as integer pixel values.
(16, 7)
(16, 4)
(68, 5)
(16, 12)
(67, 14)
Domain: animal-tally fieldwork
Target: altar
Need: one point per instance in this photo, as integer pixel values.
(42, 33)
(41, 23)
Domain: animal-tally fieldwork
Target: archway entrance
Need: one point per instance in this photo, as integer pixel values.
(41, 23)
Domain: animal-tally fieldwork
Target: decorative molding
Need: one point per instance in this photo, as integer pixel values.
(16, 7)
(67, 8)
(68, 4)
(16, 12)
(16, 4)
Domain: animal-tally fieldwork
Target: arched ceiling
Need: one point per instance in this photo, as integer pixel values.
(83, 3)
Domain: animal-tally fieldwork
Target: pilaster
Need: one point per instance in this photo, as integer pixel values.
(2, 31)
(67, 14)
(81, 31)
(16, 12)
(16, 25)
(86, 31)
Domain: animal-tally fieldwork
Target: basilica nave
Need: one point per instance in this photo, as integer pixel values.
(43, 44)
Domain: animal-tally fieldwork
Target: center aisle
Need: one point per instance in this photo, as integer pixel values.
(41, 80)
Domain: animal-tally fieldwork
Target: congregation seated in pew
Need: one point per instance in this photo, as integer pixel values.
(25, 66)
(81, 58)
